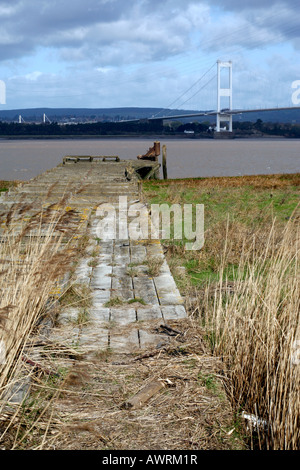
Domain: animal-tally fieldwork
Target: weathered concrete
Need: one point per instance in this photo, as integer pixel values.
(124, 300)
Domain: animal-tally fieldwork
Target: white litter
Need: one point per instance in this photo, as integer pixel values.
(256, 423)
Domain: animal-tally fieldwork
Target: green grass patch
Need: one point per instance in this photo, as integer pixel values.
(114, 302)
(137, 300)
(238, 206)
(6, 185)
(208, 381)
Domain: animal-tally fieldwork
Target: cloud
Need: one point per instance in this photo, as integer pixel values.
(110, 32)
(251, 25)
(234, 5)
(98, 50)
(97, 26)
(33, 75)
(274, 19)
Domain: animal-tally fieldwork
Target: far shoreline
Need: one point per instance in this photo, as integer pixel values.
(146, 137)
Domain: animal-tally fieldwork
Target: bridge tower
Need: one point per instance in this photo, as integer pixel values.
(46, 118)
(224, 91)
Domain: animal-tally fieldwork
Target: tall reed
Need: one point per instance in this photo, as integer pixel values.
(35, 251)
(255, 329)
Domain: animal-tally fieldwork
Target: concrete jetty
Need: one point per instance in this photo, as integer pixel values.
(127, 297)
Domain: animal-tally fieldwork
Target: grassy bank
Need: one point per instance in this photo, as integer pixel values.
(242, 205)
(243, 287)
(6, 185)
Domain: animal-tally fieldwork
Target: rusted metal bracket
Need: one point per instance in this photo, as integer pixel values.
(152, 154)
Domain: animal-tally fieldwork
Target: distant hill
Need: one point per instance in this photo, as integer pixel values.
(291, 116)
(118, 114)
(60, 114)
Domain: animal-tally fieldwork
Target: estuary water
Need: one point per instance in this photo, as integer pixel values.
(25, 159)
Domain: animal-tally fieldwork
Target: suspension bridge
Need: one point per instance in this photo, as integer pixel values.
(44, 119)
(224, 111)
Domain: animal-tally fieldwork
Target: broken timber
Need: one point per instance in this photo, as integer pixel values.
(143, 395)
(152, 154)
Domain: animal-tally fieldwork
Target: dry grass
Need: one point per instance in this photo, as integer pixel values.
(255, 181)
(254, 327)
(35, 252)
(243, 286)
(154, 264)
(76, 295)
(191, 411)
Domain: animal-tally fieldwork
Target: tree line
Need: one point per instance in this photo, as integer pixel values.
(200, 129)
(94, 129)
(268, 128)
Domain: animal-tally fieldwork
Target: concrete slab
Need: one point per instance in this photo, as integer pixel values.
(173, 312)
(149, 313)
(122, 315)
(99, 315)
(92, 338)
(121, 283)
(67, 316)
(101, 277)
(137, 253)
(167, 291)
(148, 339)
(154, 249)
(67, 335)
(144, 288)
(127, 342)
(100, 297)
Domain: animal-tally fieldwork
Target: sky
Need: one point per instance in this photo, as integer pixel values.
(147, 53)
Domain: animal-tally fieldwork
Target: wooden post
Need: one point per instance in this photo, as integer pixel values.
(156, 147)
(164, 161)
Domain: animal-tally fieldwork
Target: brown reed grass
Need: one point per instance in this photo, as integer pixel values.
(254, 328)
(35, 252)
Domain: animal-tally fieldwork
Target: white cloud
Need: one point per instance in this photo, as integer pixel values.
(33, 75)
(139, 49)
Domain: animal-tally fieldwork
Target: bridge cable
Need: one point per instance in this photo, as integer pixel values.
(198, 91)
(177, 99)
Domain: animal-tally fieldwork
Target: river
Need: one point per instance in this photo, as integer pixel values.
(24, 159)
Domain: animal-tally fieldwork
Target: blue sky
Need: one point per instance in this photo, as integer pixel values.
(146, 53)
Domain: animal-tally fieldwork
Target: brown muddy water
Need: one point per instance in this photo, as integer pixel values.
(24, 159)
